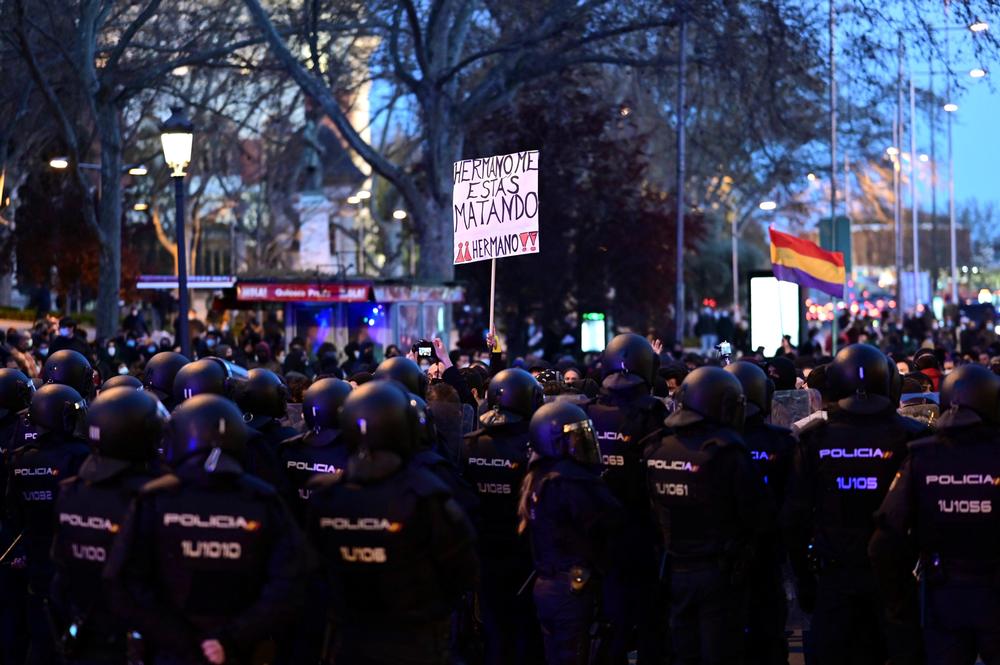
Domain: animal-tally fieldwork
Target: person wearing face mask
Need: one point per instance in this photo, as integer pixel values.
(20, 349)
(108, 359)
(67, 339)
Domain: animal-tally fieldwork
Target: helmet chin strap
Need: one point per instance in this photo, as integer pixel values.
(213, 460)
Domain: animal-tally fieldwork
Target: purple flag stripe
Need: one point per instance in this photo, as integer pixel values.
(802, 278)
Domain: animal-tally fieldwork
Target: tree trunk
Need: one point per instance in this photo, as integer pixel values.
(109, 219)
(436, 255)
(434, 222)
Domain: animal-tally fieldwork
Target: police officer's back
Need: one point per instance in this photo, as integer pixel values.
(398, 549)
(572, 521)
(321, 448)
(125, 426)
(226, 569)
(712, 509)
(55, 452)
(771, 449)
(494, 462)
(623, 415)
(942, 504)
(15, 396)
(842, 469)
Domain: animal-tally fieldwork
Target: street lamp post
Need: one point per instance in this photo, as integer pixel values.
(177, 135)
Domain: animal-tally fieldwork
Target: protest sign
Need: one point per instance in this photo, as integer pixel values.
(495, 203)
(495, 210)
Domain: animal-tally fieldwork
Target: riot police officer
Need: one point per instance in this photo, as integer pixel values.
(215, 376)
(263, 397)
(571, 519)
(227, 568)
(159, 374)
(71, 368)
(320, 449)
(125, 427)
(398, 548)
(56, 452)
(623, 414)
(712, 509)
(942, 503)
(405, 372)
(208, 376)
(841, 471)
(121, 381)
(494, 461)
(15, 396)
(771, 449)
(68, 368)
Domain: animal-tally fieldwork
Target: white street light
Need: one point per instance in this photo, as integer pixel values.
(177, 136)
(767, 205)
(399, 214)
(59, 163)
(364, 195)
(924, 157)
(977, 73)
(892, 151)
(137, 170)
(353, 200)
(811, 177)
(979, 26)
(951, 107)
(140, 207)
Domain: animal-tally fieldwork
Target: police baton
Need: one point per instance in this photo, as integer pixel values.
(528, 581)
(3, 558)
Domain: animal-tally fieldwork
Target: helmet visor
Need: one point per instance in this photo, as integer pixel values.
(581, 442)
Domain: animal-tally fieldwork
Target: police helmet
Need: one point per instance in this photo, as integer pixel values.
(263, 394)
(15, 391)
(160, 372)
(208, 376)
(426, 429)
(378, 417)
(972, 387)
(321, 403)
(758, 388)
(405, 372)
(562, 430)
(512, 396)
(121, 381)
(127, 424)
(858, 380)
(203, 423)
(58, 409)
(712, 395)
(629, 360)
(70, 368)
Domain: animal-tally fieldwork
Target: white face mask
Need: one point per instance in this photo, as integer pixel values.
(64, 332)
(122, 369)
(111, 351)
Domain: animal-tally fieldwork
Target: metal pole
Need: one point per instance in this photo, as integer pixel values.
(951, 173)
(935, 254)
(681, 108)
(183, 306)
(833, 155)
(736, 272)
(915, 212)
(897, 172)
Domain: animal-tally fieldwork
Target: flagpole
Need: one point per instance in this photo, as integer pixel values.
(833, 153)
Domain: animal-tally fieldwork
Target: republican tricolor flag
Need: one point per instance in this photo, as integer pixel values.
(804, 263)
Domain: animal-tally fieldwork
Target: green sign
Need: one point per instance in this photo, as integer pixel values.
(837, 238)
(593, 316)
